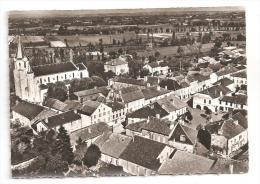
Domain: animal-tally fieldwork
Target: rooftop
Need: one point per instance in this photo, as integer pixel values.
(237, 99)
(186, 163)
(215, 91)
(27, 109)
(143, 152)
(54, 68)
(116, 62)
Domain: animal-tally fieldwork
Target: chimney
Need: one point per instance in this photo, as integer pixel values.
(231, 166)
(166, 87)
(235, 122)
(220, 131)
(148, 119)
(89, 130)
(75, 111)
(158, 87)
(46, 120)
(221, 93)
(145, 78)
(148, 84)
(158, 116)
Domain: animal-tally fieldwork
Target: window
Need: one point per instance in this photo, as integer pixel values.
(219, 101)
(94, 116)
(209, 101)
(100, 115)
(104, 113)
(73, 74)
(80, 74)
(226, 103)
(182, 138)
(205, 101)
(41, 80)
(65, 76)
(48, 79)
(57, 77)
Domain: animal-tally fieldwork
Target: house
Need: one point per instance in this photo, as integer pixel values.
(55, 104)
(122, 82)
(94, 112)
(27, 113)
(183, 138)
(91, 94)
(118, 66)
(132, 97)
(89, 134)
(112, 146)
(227, 83)
(207, 59)
(151, 94)
(174, 106)
(226, 136)
(152, 81)
(210, 98)
(156, 69)
(233, 102)
(239, 78)
(30, 81)
(153, 110)
(69, 120)
(118, 113)
(133, 129)
(222, 73)
(143, 157)
(182, 162)
(157, 130)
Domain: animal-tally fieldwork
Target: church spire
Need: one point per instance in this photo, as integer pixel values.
(19, 50)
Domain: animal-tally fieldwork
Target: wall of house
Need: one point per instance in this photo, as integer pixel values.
(155, 136)
(182, 146)
(86, 120)
(22, 119)
(219, 141)
(135, 169)
(102, 114)
(132, 133)
(40, 127)
(239, 81)
(61, 76)
(118, 69)
(237, 142)
(109, 159)
(118, 116)
(135, 105)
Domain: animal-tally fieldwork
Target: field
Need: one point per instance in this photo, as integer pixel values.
(94, 39)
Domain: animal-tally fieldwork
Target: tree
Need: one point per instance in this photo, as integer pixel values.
(157, 54)
(180, 51)
(92, 156)
(55, 165)
(58, 91)
(63, 146)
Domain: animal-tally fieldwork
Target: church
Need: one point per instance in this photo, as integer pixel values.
(30, 81)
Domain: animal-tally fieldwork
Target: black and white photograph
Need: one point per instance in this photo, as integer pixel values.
(128, 92)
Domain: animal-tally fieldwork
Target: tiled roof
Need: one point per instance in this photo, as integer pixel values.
(87, 92)
(197, 77)
(115, 105)
(49, 69)
(189, 133)
(157, 126)
(215, 91)
(171, 103)
(89, 132)
(61, 119)
(116, 62)
(72, 105)
(237, 99)
(227, 70)
(129, 81)
(136, 127)
(152, 92)
(89, 107)
(132, 96)
(183, 162)
(229, 128)
(146, 111)
(27, 109)
(225, 82)
(143, 152)
(55, 104)
(115, 145)
(241, 74)
(241, 119)
(153, 80)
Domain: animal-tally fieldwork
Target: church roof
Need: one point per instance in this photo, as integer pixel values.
(49, 69)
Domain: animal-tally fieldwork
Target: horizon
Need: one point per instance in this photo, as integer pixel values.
(132, 11)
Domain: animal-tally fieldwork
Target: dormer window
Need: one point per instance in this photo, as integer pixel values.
(182, 138)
